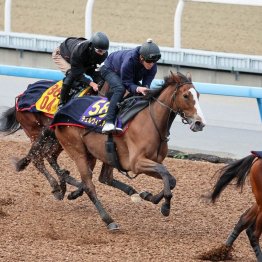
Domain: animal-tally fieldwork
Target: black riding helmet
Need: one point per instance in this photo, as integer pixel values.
(100, 41)
(150, 51)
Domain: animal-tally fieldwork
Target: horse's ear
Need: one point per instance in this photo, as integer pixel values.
(171, 72)
(175, 77)
(189, 77)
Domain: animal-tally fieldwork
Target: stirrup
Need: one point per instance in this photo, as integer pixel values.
(109, 127)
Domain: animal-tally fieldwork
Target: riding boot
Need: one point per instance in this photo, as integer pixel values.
(112, 111)
(64, 96)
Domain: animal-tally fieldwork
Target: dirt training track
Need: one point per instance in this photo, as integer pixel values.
(36, 227)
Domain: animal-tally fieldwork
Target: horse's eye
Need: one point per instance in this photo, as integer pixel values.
(186, 96)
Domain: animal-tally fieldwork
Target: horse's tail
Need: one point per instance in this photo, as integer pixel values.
(8, 121)
(237, 170)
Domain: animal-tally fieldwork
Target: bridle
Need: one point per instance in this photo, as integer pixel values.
(171, 111)
(179, 111)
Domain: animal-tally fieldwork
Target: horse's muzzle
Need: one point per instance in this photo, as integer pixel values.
(197, 126)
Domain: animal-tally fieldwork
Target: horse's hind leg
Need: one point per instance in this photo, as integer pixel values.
(21, 164)
(246, 220)
(224, 252)
(106, 177)
(36, 157)
(254, 230)
(56, 189)
(50, 149)
(254, 239)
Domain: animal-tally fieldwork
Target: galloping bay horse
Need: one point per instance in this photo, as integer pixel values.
(142, 147)
(251, 219)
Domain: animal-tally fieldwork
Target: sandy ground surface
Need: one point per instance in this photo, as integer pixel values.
(36, 227)
(205, 26)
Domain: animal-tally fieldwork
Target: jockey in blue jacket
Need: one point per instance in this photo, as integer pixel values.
(123, 70)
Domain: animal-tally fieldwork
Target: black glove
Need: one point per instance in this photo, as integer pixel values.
(84, 80)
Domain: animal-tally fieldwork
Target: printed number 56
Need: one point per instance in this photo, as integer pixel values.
(100, 108)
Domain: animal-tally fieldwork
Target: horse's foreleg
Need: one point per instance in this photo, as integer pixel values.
(80, 186)
(86, 176)
(159, 171)
(106, 177)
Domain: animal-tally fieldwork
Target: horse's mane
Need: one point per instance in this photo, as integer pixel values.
(168, 80)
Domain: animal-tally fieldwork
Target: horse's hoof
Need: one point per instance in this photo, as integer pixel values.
(165, 211)
(136, 198)
(58, 195)
(145, 195)
(112, 226)
(74, 195)
(63, 188)
(65, 172)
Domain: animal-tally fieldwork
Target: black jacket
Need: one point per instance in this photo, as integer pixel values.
(80, 54)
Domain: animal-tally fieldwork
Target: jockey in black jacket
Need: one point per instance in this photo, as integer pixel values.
(78, 56)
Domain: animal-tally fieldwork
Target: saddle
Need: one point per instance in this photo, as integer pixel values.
(129, 107)
(257, 153)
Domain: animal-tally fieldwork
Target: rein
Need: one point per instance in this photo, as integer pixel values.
(179, 111)
(171, 110)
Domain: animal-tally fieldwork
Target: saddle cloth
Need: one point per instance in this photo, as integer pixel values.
(257, 153)
(27, 100)
(43, 96)
(90, 111)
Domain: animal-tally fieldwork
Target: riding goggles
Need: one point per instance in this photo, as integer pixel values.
(152, 58)
(100, 51)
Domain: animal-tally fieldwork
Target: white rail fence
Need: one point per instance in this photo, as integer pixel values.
(203, 88)
(172, 56)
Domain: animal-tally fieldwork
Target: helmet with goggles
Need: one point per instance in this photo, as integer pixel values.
(150, 51)
(100, 41)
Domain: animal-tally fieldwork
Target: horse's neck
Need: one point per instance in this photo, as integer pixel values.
(163, 104)
(161, 111)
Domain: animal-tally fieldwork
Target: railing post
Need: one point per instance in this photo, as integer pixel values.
(259, 103)
(177, 24)
(88, 18)
(8, 15)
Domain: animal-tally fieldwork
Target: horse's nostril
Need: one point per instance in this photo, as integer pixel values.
(199, 124)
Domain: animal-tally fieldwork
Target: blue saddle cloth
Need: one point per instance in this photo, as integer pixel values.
(86, 111)
(90, 111)
(257, 153)
(27, 100)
